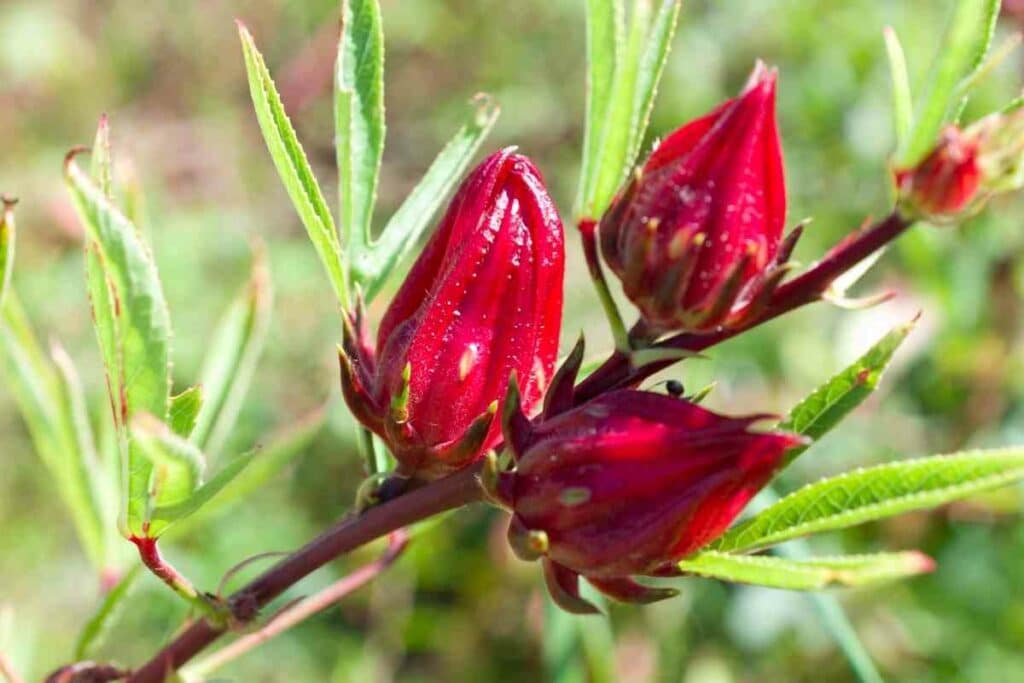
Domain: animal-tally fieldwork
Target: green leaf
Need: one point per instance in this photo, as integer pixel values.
(96, 629)
(7, 235)
(139, 369)
(165, 515)
(231, 361)
(605, 26)
(178, 465)
(866, 495)
(359, 117)
(184, 411)
(902, 100)
(405, 228)
(808, 574)
(652, 64)
(267, 463)
(961, 52)
(52, 406)
(639, 62)
(293, 167)
(827, 405)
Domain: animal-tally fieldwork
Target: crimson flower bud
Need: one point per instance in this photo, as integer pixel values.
(965, 169)
(627, 484)
(483, 300)
(946, 181)
(695, 236)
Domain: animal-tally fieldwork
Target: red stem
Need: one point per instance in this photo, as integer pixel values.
(445, 494)
(616, 372)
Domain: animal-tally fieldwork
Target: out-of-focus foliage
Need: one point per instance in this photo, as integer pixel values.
(173, 81)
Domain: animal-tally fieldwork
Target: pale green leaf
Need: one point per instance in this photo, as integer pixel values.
(807, 574)
(403, 231)
(166, 514)
(961, 51)
(902, 100)
(293, 167)
(230, 363)
(52, 407)
(359, 117)
(139, 374)
(652, 64)
(605, 25)
(827, 405)
(96, 629)
(267, 463)
(184, 412)
(178, 465)
(865, 495)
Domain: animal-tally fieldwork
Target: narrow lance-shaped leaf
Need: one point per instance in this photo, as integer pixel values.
(902, 100)
(165, 515)
(652, 64)
(99, 625)
(604, 36)
(359, 117)
(231, 361)
(266, 463)
(178, 465)
(866, 495)
(45, 399)
(293, 167)
(613, 166)
(403, 231)
(962, 50)
(827, 405)
(6, 244)
(140, 375)
(807, 574)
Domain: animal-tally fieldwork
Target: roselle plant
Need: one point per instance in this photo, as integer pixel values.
(458, 389)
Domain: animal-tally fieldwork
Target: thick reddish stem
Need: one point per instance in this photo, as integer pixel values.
(808, 287)
(350, 533)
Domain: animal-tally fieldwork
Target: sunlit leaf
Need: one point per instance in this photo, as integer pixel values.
(865, 495)
(166, 514)
(359, 117)
(230, 363)
(113, 605)
(184, 411)
(824, 408)
(139, 376)
(293, 167)
(402, 233)
(178, 466)
(267, 463)
(51, 405)
(902, 100)
(605, 28)
(961, 51)
(807, 574)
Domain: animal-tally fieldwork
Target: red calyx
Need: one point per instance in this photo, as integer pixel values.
(483, 300)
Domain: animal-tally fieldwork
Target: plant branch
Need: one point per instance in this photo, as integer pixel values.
(301, 610)
(806, 288)
(150, 555)
(352, 532)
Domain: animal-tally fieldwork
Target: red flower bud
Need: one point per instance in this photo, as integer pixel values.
(947, 181)
(695, 237)
(483, 300)
(629, 483)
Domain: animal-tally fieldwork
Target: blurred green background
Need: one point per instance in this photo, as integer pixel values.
(458, 606)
